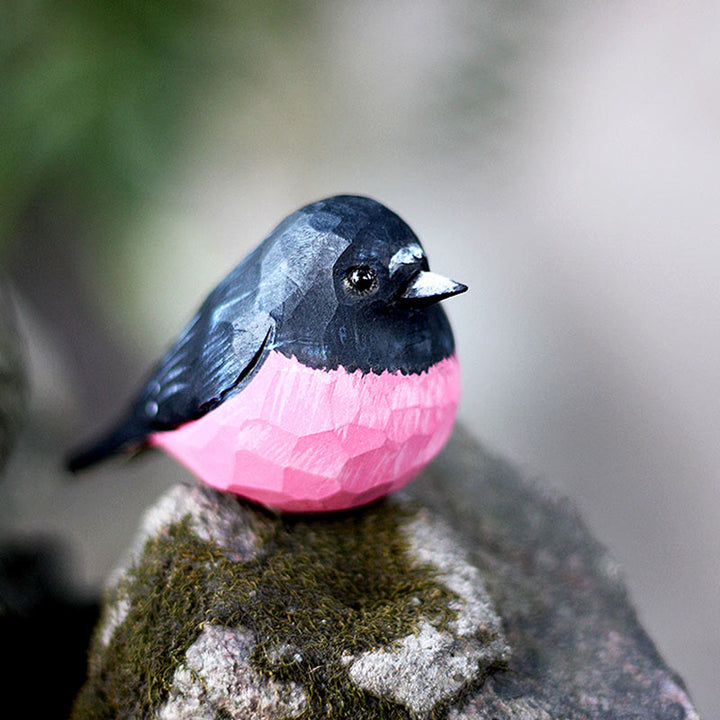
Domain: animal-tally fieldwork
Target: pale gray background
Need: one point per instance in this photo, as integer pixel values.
(566, 166)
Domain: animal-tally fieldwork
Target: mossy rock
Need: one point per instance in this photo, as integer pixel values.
(297, 617)
(496, 604)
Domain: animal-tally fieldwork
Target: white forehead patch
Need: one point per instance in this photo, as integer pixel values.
(405, 256)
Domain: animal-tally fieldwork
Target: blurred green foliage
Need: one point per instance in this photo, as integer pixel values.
(98, 96)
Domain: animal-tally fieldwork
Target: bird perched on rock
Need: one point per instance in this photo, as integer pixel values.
(320, 374)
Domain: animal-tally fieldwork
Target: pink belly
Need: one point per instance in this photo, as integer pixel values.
(305, 440)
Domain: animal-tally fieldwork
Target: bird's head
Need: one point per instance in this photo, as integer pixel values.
(368, 298)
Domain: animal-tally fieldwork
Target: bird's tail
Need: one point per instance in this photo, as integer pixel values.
(127, 437)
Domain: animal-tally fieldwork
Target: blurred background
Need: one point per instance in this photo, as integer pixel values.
(561, 159)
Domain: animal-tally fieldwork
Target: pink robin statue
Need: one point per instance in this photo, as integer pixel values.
(319, 375)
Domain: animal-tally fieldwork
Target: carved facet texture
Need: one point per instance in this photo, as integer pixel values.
(303, 440)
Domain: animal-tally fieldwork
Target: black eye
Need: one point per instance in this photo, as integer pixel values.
(361, 280)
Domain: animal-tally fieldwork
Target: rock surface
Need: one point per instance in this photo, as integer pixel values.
(472, 595)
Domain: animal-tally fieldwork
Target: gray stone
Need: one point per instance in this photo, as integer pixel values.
(577, 647)
(432, 665)
(473, 594)
(216, 679)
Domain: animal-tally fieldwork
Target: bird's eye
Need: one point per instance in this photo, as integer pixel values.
(361, 280)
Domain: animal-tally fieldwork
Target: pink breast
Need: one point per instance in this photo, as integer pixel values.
(305, 440)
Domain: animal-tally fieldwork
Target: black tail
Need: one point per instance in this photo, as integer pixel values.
(125, 438)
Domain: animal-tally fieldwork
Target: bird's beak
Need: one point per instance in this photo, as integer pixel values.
(428, 287)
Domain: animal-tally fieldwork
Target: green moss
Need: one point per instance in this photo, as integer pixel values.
(323, 587)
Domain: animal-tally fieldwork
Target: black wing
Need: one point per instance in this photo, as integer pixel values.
(213, 358)
(232, 332)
